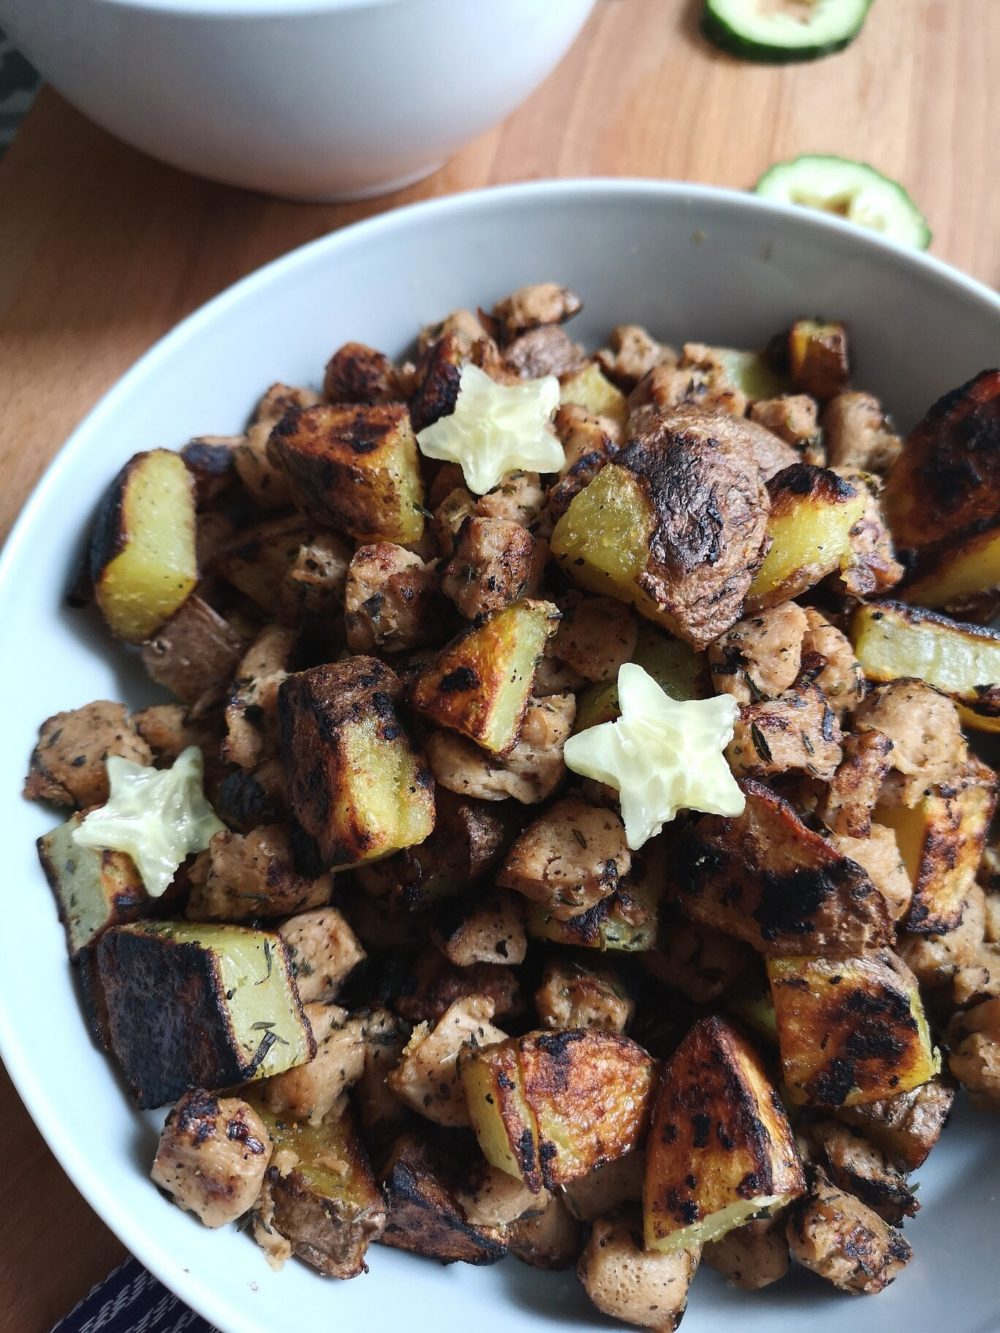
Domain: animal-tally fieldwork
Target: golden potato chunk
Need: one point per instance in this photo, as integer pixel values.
(354, 469)
(817, 358)
(627, 1282)
(569, 858)
(589, 389)
(480, 684)
(720, 1146)
(959, 575)
(850, 1030)
(94, 888)
(142, 557)
(356, 787)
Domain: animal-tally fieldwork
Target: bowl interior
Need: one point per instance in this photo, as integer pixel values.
(690, 264)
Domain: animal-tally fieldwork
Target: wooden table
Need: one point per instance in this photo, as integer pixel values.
(102, 250)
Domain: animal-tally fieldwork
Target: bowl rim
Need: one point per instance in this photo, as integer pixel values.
(47, 1117)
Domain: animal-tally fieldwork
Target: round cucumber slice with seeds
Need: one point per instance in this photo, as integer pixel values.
(851, 190)
(778, 31)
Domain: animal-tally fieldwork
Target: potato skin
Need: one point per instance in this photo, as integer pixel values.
(719, 1140)
(771, 881)
(195, 653)
(356, 788)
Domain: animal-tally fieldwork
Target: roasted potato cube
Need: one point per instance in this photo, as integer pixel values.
(425, 1216)
(357, 373)
(974, 1052)
(569, 858)
(626, 921)
(67, 763)
(532, 770)
(142, 547)
(199, 1006)
(766, 878)
(592, 391)
(551, 1239)
(319, 1200)
(850, 1030)
(313, 1090)
(907, 1125)
(946, 482)
(857, 1166)
(495, 563)
(194, 653)
(843, 1240)
(627, 1282)
(427, 1076)
(356, 787)
(817, 358)
(797, 732)
(893, 640)
(212, 1156)
(482, 929)
(941, 841)
(752, 1256)
(959, 574)
(392, 600)
(720, 1146)
(243, 876)
(323, 950)
(574, 996)
(675, 525)
(504, 1124)
(94, 888)
(259, 559)
(812, 512)
(480, 684)
(354, 469)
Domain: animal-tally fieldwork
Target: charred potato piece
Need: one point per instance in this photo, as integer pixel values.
(817, 358)
(354, 469)
(141, 556)
(642, 1287)
(843, 1240)
(260, 558)
(199, 1006)
(424, 1214)
(212, 1157)
(675, 525)
(959, 575)
(320, 1201)
(67, 763)
(590, 389)
(246, 876)
(504, 1124)
(907, 1125)
(720, 1146)
(194, 653)
(946, 481)
(893, 640)
(812, 513)
(94, 888)
(850, 1030)
(767, 879)
(752, 1256)
(480, 684)
(356, 787)
(551, 1239)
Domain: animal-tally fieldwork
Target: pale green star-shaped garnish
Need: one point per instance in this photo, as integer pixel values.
(661, 755)
(496, 429)
(158, 816)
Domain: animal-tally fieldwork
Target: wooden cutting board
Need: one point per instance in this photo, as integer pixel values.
(103, 250)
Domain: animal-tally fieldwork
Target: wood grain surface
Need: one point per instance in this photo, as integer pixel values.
(103, 250)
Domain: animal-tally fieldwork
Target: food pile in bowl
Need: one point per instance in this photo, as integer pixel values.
(564, 841)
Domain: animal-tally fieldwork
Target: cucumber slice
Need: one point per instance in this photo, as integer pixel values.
(777, 31)
(851, 190)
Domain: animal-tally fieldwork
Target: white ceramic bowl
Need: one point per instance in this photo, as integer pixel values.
(688, 262)
(312, 99)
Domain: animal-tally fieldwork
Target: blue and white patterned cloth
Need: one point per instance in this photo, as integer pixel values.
(18, 85)
(132, 1301)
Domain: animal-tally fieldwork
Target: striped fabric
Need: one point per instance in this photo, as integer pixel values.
(18, 85)
(132, 1301)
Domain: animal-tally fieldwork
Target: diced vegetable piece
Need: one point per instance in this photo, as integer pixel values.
(199, 1006)
(812, 514)
(356, 787)
(481, 683)
(354, 469)
(720, 1146)
(195, 653)
(142, 547)
(590, 389)
(751, 1256)
(771, 881)
(69, 761)
(850, 1030)
(94, 888)
(673, 664)
(785, 30)
(946, 482)
(504, 1124)
(817, 358)
(847, 189)
(893, 640)
(322, 1199)
(427, 1075)
(958, 574)
(643, 1288)
(424, 1215)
